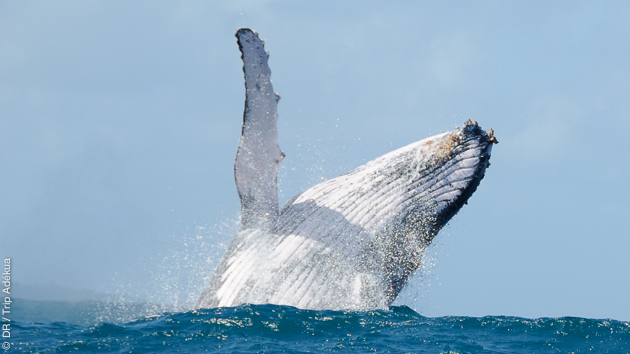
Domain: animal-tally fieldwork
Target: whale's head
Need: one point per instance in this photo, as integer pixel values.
(440, 173)
(448, 169)
(434, 179)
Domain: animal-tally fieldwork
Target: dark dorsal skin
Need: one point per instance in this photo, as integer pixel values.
(351, 242)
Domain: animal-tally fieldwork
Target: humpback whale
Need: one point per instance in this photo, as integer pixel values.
(347, 243)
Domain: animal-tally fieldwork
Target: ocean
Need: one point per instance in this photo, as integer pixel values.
(105, 327)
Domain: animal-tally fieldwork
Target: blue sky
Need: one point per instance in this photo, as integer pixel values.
(119, 124)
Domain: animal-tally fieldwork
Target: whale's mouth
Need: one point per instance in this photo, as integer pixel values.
(464, 170)
(450, 167)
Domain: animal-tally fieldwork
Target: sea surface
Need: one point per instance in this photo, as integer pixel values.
(102, 327)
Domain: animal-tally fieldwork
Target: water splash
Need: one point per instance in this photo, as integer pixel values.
(175, 284)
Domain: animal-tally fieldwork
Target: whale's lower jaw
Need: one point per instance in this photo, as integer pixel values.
(353, 241)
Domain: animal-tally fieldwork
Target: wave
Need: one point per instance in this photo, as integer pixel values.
(276, 329)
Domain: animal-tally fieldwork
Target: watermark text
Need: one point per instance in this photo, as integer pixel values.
(6, 304)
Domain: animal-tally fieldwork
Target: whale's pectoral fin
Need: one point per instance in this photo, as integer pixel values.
(258, 157)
